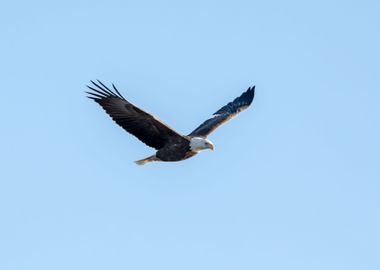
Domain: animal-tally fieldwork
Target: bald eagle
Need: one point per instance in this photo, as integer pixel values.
(170, 145)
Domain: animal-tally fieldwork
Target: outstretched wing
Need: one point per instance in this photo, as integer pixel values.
(141, 124)
(225, 113)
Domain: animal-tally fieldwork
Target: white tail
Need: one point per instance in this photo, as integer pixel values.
(147, 160)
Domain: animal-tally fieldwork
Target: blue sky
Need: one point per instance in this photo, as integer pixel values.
(293, 183)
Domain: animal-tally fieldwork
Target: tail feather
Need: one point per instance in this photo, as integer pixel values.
(147, 160)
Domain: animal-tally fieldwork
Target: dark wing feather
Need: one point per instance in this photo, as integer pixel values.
(225, 113)
(141, 124)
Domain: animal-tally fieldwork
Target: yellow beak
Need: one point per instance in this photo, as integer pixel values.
(212, 147)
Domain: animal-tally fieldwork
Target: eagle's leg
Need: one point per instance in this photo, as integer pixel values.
(147, 160)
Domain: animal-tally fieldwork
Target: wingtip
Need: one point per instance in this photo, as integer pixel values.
(249, 95)
(252, 90)
(102, 90)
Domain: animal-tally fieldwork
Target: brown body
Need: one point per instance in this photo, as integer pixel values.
(175, 152)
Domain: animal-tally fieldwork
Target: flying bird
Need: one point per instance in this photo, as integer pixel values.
(170, 145)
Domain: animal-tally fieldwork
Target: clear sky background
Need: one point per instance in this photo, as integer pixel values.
(293, 183)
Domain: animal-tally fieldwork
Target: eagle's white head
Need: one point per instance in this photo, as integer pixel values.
(197, 144)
